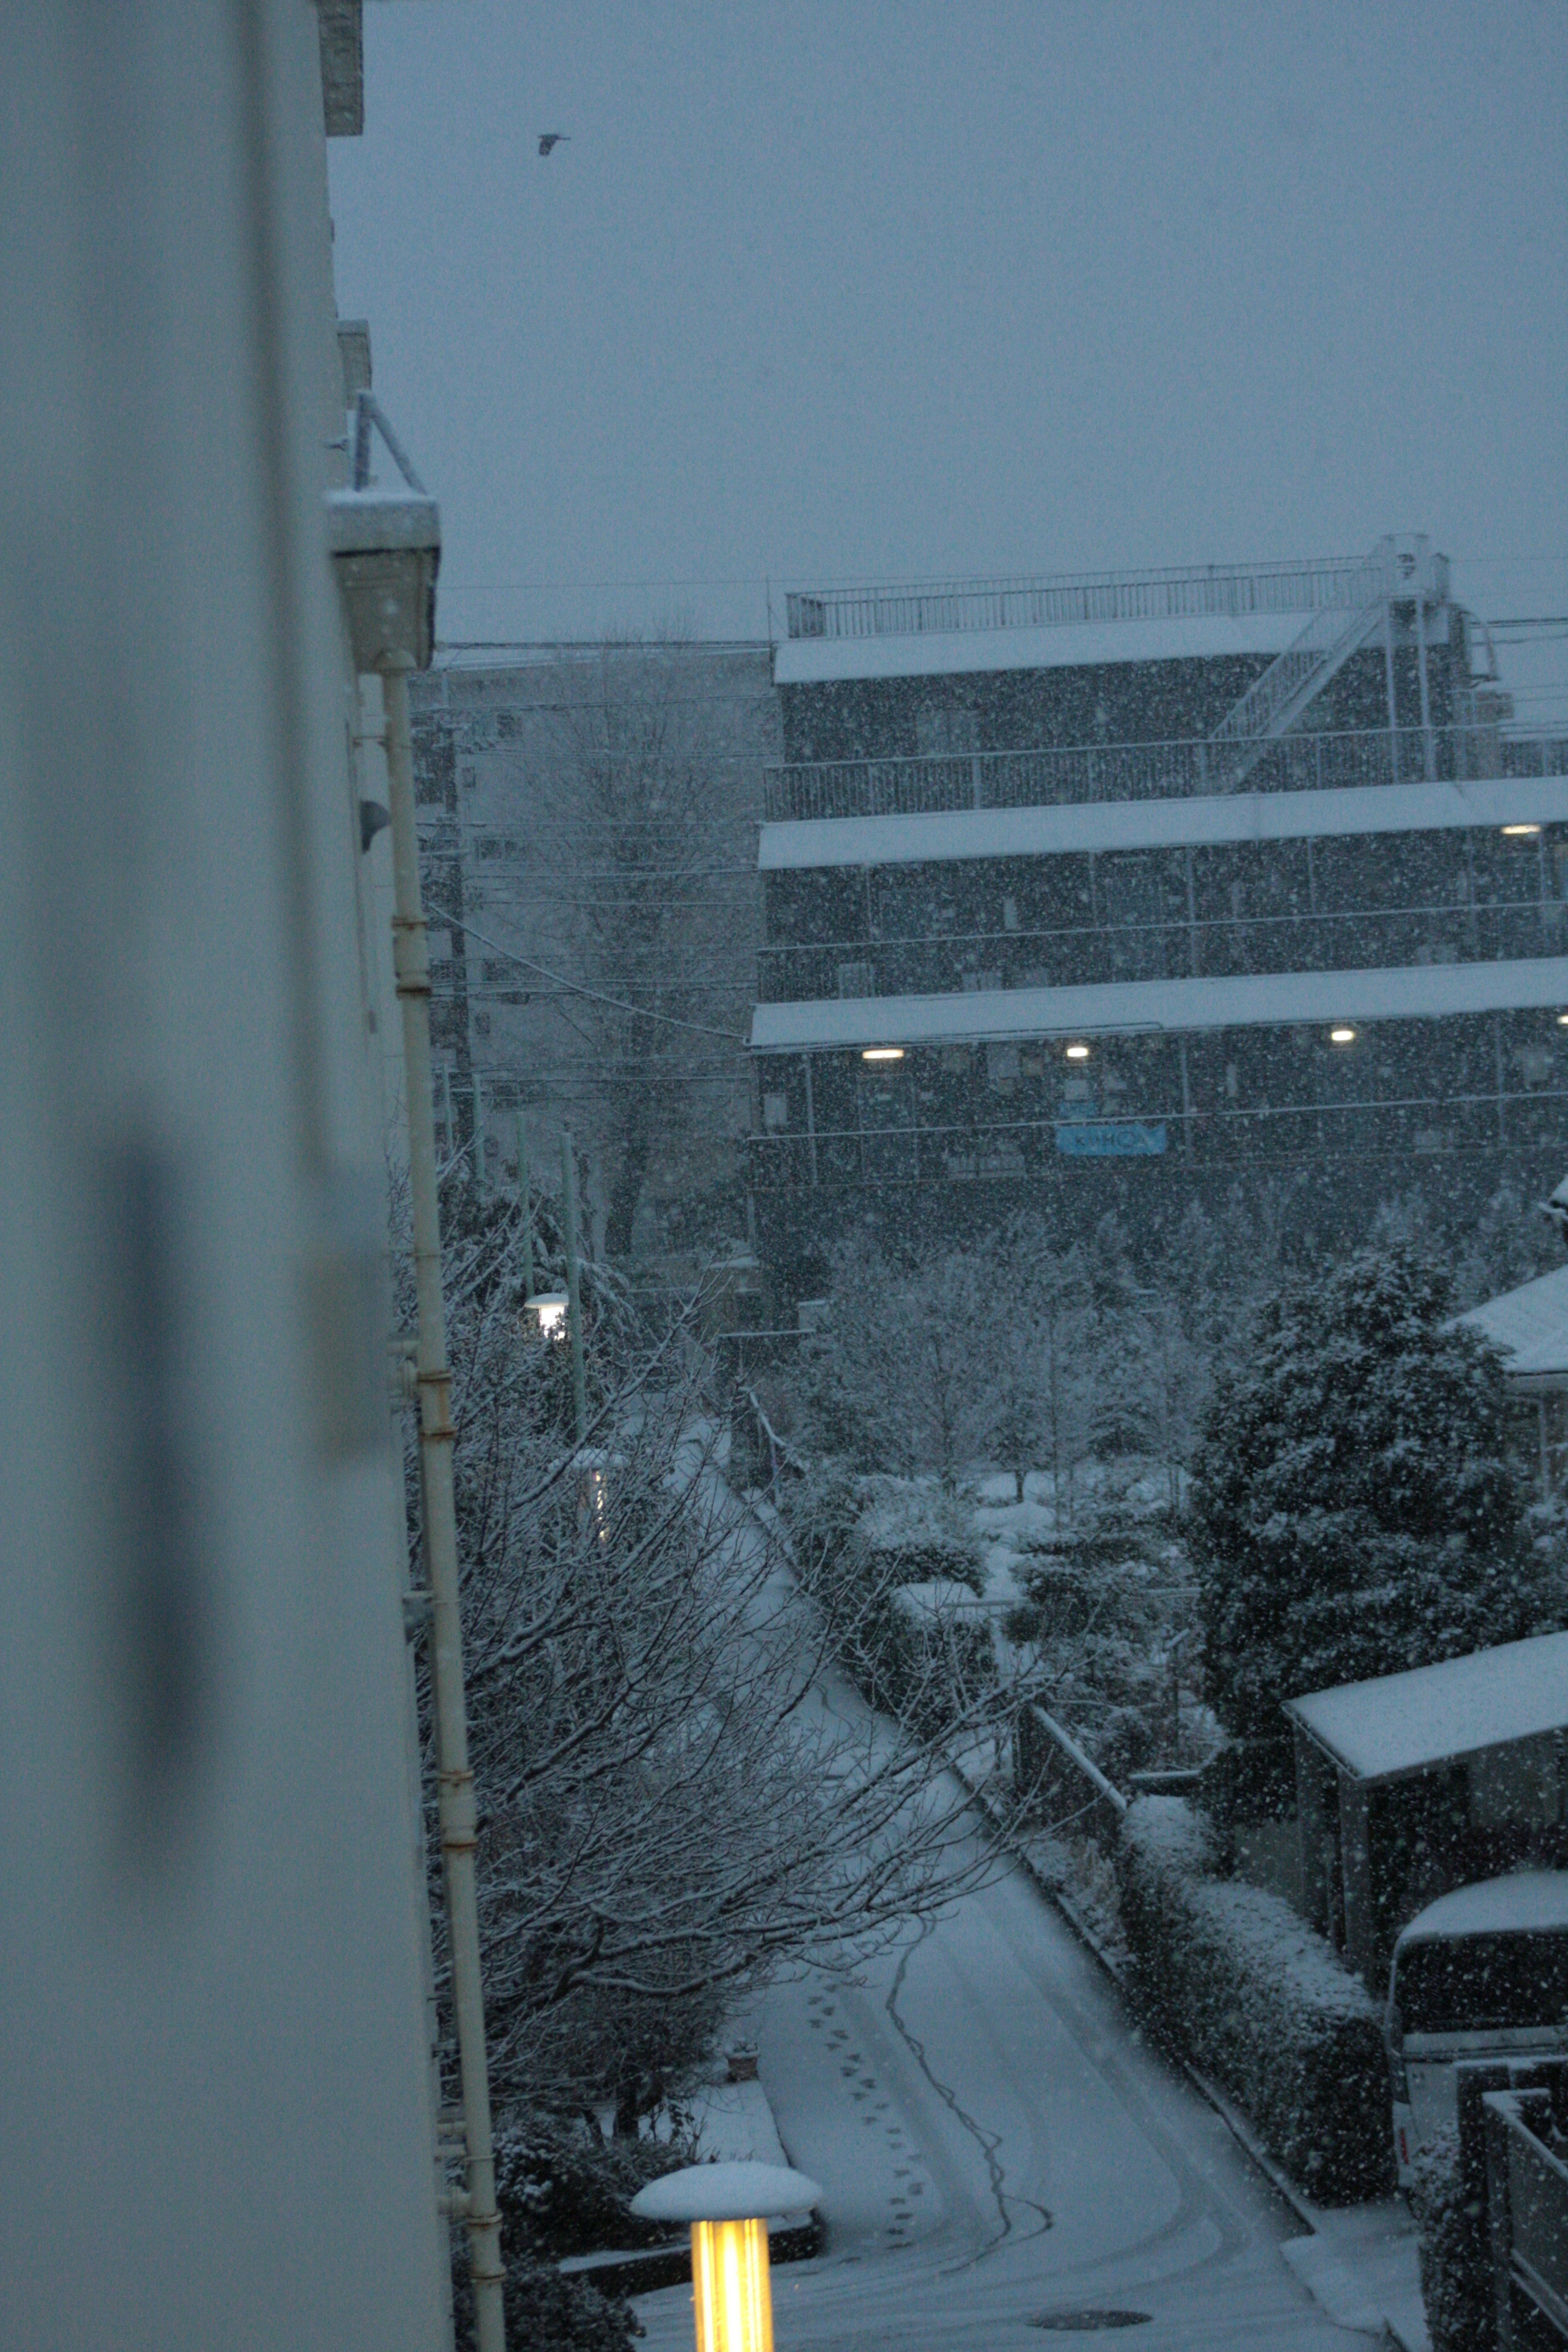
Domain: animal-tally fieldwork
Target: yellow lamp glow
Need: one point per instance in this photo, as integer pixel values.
(882, 1053)
(725, 2204)
(1515, 832)
(730, 2288)
(1078, 1052)
(1342, 1035)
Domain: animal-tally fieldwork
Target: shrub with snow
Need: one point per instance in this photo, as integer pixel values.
(1354, 1512)
(1257, 1998)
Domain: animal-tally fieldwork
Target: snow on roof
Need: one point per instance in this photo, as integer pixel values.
(1160, 824)
(1529, 1323)
(949, 653)
(1124, 1007)
(1404, 1723)
(1526, 1898)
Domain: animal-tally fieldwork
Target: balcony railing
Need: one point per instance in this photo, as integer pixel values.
(1174, 949)
(1057, 600)
(1077, 773)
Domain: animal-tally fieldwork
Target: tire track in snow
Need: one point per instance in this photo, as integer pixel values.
(987, 2142)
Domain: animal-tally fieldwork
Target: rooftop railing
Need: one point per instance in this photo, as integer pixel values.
(1075, 774)
(1056, 600)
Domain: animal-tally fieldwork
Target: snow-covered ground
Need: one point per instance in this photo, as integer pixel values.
(995, 2144)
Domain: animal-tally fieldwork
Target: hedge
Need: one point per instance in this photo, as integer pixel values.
(1259, 2001)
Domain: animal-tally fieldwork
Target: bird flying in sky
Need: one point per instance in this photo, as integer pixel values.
(549, 139)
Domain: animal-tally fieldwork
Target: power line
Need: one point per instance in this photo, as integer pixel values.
(573, 988)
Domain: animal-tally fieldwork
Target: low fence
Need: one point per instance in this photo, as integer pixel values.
(1062, 599)
(1527, 2211)
(1059, 1786)
(759, 1457)
(1075, 774)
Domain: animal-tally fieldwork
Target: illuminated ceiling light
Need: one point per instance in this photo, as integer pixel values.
(1562, 1021)
(1078, 1052)
(1342, 1035)
(1515, 832)
(882, 1053)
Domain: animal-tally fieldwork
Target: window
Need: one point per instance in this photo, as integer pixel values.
(941, 730)
(1494, 1983)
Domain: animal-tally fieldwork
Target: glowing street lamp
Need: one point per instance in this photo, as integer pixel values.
(725, 2204)
(548, 1308)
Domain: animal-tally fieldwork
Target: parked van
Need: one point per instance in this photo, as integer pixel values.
(1480, 1973)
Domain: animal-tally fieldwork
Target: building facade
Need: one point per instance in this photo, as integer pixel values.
(590, 817)
(1110, 892)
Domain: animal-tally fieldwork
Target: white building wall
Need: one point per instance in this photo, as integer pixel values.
(216, 2101)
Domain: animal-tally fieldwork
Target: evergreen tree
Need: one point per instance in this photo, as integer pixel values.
(1354, 1513)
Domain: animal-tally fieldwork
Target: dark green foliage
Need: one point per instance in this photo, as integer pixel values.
(1454, 2255)
(1232, 1977)
(1355, 1512)
(561, 2191)
(548, 2312)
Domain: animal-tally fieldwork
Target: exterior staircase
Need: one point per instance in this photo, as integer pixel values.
(1273, 702)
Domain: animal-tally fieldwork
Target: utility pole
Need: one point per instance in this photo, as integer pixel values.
(456, 1811)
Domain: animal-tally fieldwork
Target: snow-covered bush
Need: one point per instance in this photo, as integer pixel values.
(862, 1547)
(544, 2306)
(1259, 2000)
(1355, 1512)
(1454, 2252)
(564, 2188)
(926, 1654)
(910, 1532)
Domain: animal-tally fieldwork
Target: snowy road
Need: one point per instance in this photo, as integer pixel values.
(997, 2147)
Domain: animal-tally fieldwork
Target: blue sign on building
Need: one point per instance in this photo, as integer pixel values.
(1106, 1139)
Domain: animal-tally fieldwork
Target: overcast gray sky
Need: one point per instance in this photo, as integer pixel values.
(883, 288)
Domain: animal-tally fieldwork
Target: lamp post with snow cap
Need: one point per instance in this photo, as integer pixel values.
(727, 2205)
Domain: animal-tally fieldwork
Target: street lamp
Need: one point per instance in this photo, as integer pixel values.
(725, 2204)
(548, 1308)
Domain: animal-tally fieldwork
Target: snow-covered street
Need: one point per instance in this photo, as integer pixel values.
(997, 2147)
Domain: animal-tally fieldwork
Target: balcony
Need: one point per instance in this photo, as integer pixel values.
(1175, 949)
(1060, 600)
(1075, 775)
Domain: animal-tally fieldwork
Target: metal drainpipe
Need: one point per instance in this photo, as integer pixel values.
(455, 1779)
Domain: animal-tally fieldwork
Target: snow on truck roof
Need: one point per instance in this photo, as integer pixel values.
(1529, 1323)
(1433, 1715)
(1526, 1899)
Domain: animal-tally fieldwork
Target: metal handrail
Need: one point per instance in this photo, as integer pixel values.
(1057, 600)
(1074, 775)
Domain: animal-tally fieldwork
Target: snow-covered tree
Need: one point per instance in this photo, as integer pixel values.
(671, 1811)
(1355, 1512)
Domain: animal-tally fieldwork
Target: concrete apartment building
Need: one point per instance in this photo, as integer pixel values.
(1103, 892)
(589, 819)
